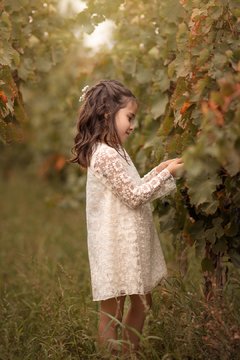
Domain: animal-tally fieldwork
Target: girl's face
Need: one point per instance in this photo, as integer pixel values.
(124, 120)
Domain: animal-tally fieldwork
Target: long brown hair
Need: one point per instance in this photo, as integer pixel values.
(96, 120)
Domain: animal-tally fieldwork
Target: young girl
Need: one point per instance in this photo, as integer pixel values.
(125, 254)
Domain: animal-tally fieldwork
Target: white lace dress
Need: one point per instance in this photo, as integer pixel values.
(124, 250)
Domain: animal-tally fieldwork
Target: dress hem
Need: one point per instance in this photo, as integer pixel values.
(132, 293)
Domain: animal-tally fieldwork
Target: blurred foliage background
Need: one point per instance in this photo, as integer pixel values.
(181, 58)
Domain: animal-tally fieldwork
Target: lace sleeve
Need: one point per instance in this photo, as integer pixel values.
(166, 189)
(110, 170)
(149, 175)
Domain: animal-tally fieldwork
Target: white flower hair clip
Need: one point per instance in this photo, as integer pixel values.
(84, 91)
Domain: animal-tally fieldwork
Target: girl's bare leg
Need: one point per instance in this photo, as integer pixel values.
(140, 304)
(107, 328)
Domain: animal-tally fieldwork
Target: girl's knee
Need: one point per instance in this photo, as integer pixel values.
(141, 302)
(113, 308)
(147, 300)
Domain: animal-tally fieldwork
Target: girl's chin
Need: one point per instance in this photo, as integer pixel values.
(124, 137)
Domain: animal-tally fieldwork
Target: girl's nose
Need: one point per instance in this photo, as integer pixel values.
(132, 126)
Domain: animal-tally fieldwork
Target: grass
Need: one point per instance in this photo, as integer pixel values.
(46, 310)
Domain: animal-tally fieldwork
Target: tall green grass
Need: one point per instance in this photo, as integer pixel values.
(46, 309)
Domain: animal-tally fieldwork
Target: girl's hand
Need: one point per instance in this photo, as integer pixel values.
(176, 167)
(165, 164)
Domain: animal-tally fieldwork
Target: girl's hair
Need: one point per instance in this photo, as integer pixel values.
(96, 120)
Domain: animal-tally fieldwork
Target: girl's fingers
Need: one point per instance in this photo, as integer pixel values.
(175, 160)
(178, 160)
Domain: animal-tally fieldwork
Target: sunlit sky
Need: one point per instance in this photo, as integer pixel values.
(100, 36)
